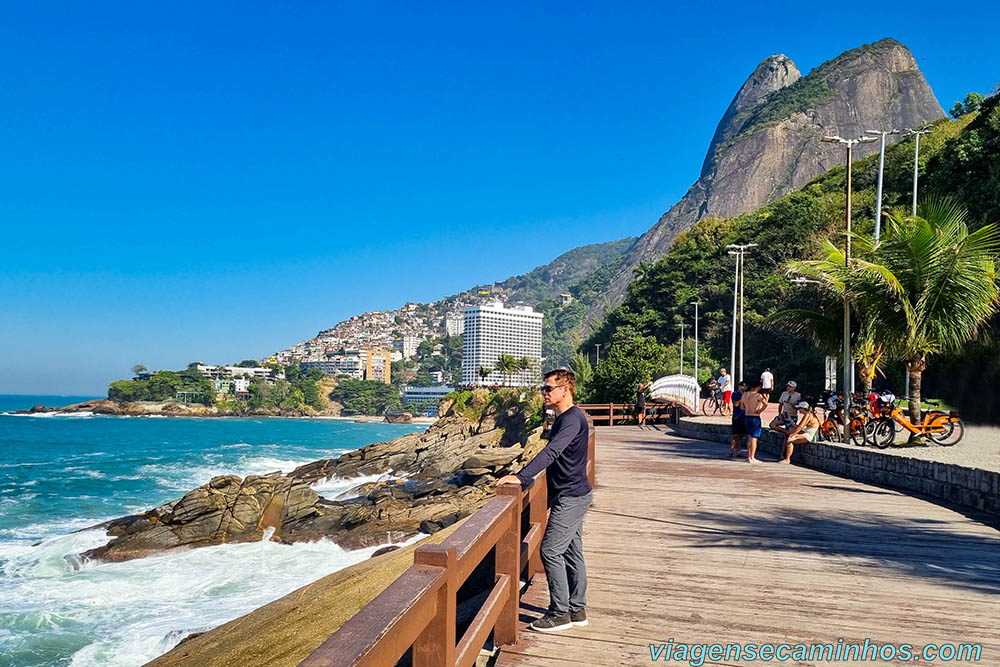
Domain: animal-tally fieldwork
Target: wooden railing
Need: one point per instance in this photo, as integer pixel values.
(610, 413)
(418, 610)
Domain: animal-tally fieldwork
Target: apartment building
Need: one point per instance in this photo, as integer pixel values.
(492, 329)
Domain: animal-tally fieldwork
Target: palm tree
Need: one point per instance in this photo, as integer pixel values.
(584, 372)
(928, 288)
(508, 365)
(484, 373)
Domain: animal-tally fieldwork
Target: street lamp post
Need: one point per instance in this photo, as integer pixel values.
(682, 348)
(740, 252)
(695, 304)
(598, 346)
(736, 292)
(916, 159)
(881, 167)
(848, 361)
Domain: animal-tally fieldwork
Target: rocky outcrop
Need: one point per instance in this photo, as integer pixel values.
(427, 481)
(768, 141)
(106, 406)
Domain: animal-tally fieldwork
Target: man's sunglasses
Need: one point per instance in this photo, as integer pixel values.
(546, 389)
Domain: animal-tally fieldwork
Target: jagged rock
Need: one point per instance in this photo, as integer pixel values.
(227, 509)
(450, 471)
(768, 141)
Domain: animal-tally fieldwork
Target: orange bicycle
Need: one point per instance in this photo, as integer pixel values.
(943, 428)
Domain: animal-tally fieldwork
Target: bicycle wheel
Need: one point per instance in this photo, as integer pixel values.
(706, 406)
(859, 437)
(884, 433)
(951, 434)
(830, 431)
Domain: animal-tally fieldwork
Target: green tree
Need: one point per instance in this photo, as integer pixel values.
(584, 372)
(139, 369)
(927, 289)
(508, 365)
(484, 373)
(128, 390)
(632, 360)
(972, 103)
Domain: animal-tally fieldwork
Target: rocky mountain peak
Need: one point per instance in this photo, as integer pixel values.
(771, 75)
(768, 141)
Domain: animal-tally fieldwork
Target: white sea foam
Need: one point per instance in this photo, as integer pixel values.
(337, 487)
(139, 609)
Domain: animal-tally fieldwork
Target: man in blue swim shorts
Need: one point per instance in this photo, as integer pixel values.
(753, 403)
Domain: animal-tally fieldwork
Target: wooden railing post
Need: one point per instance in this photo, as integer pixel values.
(435, 647)
(538, 513)
(611, 414)
(508, 562)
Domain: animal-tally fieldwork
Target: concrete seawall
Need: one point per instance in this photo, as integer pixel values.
(962, 485)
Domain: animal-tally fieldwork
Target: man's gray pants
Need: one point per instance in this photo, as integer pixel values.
(562, 554)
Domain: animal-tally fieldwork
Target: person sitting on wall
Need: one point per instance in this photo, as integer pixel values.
(804, 431)
(787, 415)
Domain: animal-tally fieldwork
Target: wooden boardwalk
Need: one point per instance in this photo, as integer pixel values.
(682, 543)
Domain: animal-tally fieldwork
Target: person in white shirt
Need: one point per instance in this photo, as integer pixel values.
(726, 387)
(766, 382)
(787, 412)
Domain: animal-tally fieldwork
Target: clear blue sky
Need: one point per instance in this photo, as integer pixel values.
(218, 180)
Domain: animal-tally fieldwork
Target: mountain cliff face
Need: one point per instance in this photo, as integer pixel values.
(768, 142)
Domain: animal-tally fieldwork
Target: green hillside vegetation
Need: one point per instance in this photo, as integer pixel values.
(364, 397)
(960, 158)
(564, 271)
(298, 390)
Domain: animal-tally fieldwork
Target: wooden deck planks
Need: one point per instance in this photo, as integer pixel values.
(684, 543)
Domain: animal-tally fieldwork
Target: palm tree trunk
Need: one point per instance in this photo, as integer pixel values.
(867, 373)
(916, 368)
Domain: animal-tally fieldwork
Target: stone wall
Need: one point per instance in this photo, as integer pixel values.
(969, 487)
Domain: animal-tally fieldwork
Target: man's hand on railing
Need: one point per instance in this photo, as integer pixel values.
(508, 479)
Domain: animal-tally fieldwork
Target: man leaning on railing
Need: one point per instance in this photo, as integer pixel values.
(569, 494)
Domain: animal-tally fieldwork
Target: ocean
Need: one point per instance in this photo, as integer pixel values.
(61, 474)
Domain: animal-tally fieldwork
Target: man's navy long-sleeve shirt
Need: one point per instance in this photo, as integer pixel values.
(565, 457)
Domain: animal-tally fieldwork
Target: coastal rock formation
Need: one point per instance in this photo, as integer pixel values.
(768, 141)
(104, 406)
(427, 481)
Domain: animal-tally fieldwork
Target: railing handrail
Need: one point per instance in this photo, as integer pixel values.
(419, 608)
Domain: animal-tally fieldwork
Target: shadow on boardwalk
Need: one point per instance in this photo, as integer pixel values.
(912, 546)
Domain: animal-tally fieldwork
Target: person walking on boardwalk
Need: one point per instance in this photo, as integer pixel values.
(739, 428)
(766, 383)
(753, 403)
(640, 404)
(565, 460)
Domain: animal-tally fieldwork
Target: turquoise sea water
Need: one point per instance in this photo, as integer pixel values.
(60, 474)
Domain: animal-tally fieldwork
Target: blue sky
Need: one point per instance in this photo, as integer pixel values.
(216, 181)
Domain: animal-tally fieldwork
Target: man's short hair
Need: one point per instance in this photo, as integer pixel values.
(564, 376)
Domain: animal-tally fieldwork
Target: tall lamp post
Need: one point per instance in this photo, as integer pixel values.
(740, 252)
(695, 304)
(881, 167)
(598, 346)
(848, 361)
(916, 159)
(736, 294)
(682, 348)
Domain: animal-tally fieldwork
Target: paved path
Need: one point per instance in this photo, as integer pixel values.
(979, 448)
(682, 543)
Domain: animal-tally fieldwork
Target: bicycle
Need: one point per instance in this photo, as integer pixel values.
(831, 427)
(943, 428)
(712, 404)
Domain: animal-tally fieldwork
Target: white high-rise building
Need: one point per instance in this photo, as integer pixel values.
(454, 324)
(491, 330)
